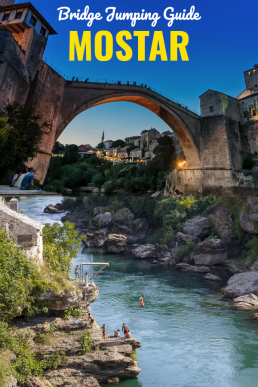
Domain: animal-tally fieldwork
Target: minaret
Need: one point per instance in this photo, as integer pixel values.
(6, 2)
(102, 138)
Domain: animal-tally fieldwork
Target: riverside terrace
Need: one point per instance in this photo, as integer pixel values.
(7, 191)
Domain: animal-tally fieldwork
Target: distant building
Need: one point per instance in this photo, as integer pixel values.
(147, 136)
(179, 150)
(124, 154)
(26, 231)
(130, 140)
(136, 153)
(108, 144)
(137, 141)
(152, 146)
(84, 148)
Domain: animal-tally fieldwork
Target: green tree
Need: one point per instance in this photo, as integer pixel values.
(100, 145)
(71, 154)
(21, 130)
(61, 245)
(17, 275)
(165, 153)
(118, 143)
(58, 148)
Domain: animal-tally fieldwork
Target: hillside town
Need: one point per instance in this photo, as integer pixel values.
(136, 149)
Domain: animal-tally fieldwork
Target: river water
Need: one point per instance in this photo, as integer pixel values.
(190, 337)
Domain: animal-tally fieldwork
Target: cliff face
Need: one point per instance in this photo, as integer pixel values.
(84, 366)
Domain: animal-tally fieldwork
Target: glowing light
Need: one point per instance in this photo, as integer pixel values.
(181, 164)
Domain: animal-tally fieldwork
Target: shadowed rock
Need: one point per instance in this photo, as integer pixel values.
(194, 269)
(145, 251)
(212, 277)
(198, 226)
(115, 244)
(210, 252)
(242, 284)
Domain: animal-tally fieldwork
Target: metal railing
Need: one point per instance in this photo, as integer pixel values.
(117, 82)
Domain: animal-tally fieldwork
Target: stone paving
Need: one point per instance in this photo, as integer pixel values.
(5, 190)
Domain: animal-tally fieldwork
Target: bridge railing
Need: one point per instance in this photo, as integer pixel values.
(117, 82)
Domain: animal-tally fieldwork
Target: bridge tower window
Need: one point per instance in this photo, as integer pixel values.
(33, 20)
(211, 109)
(43, 31)
(253, 112)
(6, 16)
(18, 15)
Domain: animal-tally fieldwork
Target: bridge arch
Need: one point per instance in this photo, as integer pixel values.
(79, 97)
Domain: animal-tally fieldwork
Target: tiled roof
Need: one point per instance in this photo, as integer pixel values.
(22, 218)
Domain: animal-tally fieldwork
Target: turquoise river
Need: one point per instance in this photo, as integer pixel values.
(190, 336)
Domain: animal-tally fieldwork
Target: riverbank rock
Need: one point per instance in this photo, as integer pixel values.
(115, 244)
(182, 239)
(57, 209)
(210, 252)
(249, 215)
(123, 216)
(198, 226)
(99, 210)
(96, 239)
(145, 251)
(212, 277)
(246, 302)
(242, 284)
(254, 266)
(255, 317)
(33, 381)
(62, 300)
(164, 256)
(101, 221)
(86, 202)
(222, 222)
(194, 269)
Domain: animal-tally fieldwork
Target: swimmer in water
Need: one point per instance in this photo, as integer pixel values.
(141, 302)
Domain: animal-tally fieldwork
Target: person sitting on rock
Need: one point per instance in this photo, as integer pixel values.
(141, 302)
(117, 333)
(104, 330)
(76, 272)
(124, 329)
(128, 334)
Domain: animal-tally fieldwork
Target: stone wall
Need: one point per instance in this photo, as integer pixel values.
(214, 103)
(6, 2)
(17, 227)
(251, 78)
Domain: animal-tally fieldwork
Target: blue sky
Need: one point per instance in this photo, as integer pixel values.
(221, 46)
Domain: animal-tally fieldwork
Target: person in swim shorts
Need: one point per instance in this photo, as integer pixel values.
(104, 330)
(76, 272)
(124, 329)
(141, 302)
(117, 333)
(91, 321)
(128, 334)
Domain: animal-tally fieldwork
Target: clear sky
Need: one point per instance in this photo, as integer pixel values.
(221, 46)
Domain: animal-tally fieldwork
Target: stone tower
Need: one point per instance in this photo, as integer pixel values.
(6, 2)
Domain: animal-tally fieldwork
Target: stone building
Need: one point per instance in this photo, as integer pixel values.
(137, 142)
(130, 140)
(147, 136)
(136, 153)
(26, 231)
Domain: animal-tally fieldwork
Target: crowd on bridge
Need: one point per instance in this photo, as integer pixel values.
(74, 79)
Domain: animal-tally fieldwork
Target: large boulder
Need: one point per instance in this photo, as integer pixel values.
(99, 210)
(241, 284)
(140, 227)
(210, 252)
(183, 266)
(198, 226)
(212, 277)
(123, 216)
(61, 300)
(115, 244)
(254, 266)
(164, 256)
(57, 209)
(96, 239)
(145, 251)
(101, 221)
(246, 302)
(223, 222)
(249, 215)
(182, 239)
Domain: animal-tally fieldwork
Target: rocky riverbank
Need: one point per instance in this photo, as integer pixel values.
(203, 245)
(87, 360)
